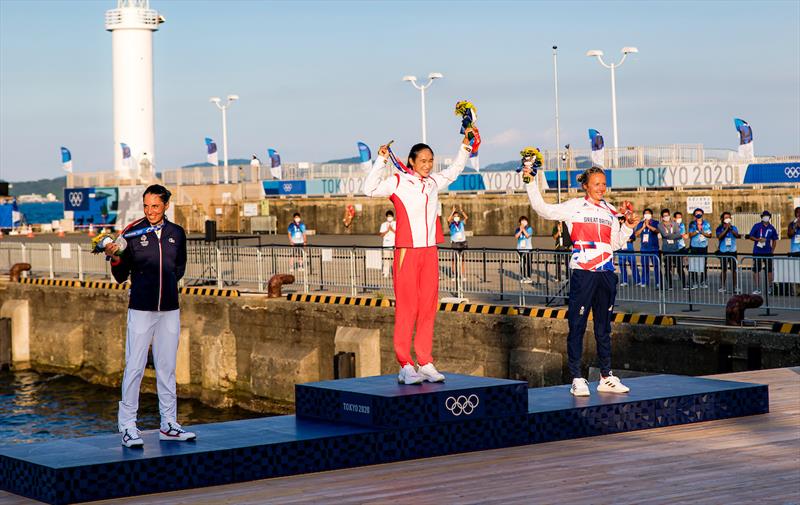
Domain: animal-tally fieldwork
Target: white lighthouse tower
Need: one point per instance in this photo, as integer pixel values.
(132, 25)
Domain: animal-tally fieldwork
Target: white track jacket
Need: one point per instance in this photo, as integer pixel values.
(415, 199)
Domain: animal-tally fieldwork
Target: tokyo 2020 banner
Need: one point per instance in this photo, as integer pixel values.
(683, 175)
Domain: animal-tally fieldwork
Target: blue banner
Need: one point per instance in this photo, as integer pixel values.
(97, 206)
(468, 182)
(284, 188)
(76, 199)
(762, 173)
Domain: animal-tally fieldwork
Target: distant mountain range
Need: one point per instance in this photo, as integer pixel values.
(41, 186)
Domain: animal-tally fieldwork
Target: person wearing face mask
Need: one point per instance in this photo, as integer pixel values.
(387, 231)
(764, 236)
(458, 235)
(794, 234)
(628, 260)
(298, 240)
(670, 232)
(524, 236)
(563, 243)
(727, 234)
(596, 233)
(414, 191)
(699, 232)
(647, 231)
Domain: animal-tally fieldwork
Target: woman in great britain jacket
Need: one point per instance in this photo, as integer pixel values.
(596, 233)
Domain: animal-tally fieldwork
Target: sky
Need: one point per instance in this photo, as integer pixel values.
(316, 77)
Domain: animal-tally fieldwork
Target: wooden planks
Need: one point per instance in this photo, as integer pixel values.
(744, 460)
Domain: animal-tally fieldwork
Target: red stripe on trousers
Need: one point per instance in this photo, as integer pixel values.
(416, 291)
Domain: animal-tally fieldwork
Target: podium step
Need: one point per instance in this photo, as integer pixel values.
(380, 402)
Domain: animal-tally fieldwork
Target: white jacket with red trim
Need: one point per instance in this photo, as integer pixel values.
(415, 199)
(594, 228)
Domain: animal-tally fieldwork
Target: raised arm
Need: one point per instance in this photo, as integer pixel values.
(448, 175)
(373, 184)
(552, 211)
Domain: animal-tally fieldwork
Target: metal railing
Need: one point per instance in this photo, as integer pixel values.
(668, 282)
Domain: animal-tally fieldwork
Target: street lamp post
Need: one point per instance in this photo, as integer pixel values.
(599, 55)
(558, 132)
(224, 108)
(413, 80)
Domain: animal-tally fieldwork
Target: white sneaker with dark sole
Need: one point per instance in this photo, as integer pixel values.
(611, 384)
(430, 373)
(580, 387)
(174, 432)
(131, 438)
(408, 375)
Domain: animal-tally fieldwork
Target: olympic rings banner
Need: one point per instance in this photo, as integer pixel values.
(684, 175)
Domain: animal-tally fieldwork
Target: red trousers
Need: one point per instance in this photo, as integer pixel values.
(416, 291)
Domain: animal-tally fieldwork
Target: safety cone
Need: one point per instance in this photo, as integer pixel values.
(1, 233)
(61, 232)
(30, 231)
(91, 230)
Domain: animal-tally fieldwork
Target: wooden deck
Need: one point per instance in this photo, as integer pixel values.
(744, 460)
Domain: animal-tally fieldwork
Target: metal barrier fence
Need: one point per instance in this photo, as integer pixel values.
(668, 282)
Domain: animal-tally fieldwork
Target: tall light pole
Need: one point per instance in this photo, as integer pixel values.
(599, 55)
(558, 132)
(413, 80)
(224, 108)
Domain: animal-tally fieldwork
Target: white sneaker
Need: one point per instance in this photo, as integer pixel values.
(722, 290)
(175, 432)
(132, 438)
(430, 374)
(408, 375)
(611, 384)
(756, 291)
(623, 284)
(580, 387)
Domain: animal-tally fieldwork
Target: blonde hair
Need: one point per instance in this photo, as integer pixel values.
(584, 177)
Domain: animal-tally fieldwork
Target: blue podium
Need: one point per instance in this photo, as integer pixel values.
(355, 422)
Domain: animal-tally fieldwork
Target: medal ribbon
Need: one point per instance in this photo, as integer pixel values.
(143, 231)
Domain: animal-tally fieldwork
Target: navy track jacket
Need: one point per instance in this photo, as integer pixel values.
(155, 266)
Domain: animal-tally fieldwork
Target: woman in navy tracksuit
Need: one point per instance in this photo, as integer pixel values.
(155, 260)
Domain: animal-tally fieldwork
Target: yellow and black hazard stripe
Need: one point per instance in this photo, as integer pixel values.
(542, 312)
(64, 283)
(476, 308)
(786, 328)
(340, 300)
(210, 292)
(648, 319)
(105, 285)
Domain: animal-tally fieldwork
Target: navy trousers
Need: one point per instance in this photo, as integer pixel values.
(595, 291)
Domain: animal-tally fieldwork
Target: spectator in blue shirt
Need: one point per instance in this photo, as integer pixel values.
(727, 234)
(626, 260)
(765, 236)
(524, 236)
(794, 234)
(458, 235)
(699, 232)
(647, 231)
(298, 240)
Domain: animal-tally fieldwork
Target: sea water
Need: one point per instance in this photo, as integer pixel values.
(42, 213)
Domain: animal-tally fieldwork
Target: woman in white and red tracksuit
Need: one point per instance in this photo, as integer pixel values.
(596, 233)
(414, 193)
